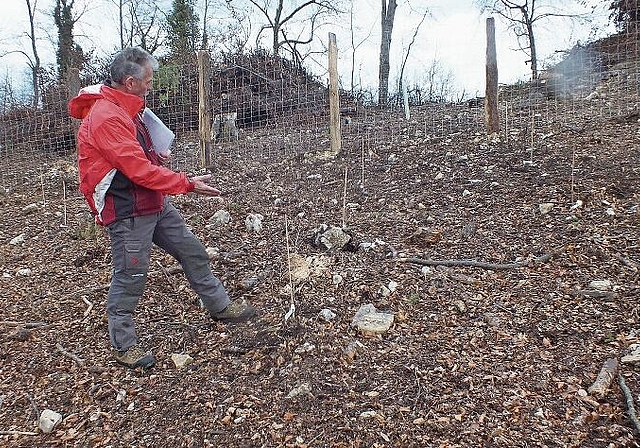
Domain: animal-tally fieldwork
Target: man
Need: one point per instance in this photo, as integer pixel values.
(124, 183)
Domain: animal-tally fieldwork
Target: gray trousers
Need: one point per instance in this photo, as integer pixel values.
(131, 241)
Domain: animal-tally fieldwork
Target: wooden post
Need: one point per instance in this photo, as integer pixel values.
(73, 87)
(405, 99)
(204, 107)
(334, 97)
(491, 94)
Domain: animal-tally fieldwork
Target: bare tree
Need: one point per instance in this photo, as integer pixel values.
(435, 86)
(33, 59)
(625, 14)
(34, 64)
(69, 54)
(7, 94)
(146, 29)
(231, 30)
(387, 19)
(406, 56)
(204, 43)
(522, 16)
(355, 46)
(308, 16)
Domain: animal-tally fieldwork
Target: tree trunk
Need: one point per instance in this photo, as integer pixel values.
(35, 69)
(532, 46)
(491, 91)
(387, 18)
(276, 28)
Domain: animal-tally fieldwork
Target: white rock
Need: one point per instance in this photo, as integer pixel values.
(368, 414)
(181, 360)
(633, 354)
(331, 237)
(302, 389)
(592, 96)
(439, 176)
(305, 348)
(545, 207)
(18, 239)
(369, 320)
(610, 212)
(221, 217)
(367, 246)
(300, 268)
(601, 285)
(326, 314)
(30, 208)
(631, 358)
(250, 282)
(25, 272)
(582, 393)
(253, 222)
(49, 420)
(578, 204)
(337, 279)
(212, 252)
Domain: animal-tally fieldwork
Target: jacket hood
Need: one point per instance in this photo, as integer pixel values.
(80, 105)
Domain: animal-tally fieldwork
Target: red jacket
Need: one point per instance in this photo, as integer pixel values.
(120, 176)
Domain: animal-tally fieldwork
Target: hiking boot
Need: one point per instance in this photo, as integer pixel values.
(238, 311)
(134, 357)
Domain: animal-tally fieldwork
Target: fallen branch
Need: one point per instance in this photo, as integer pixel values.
(18, 433)
(479, 264)
(88, 290)
(631, 410)
(235, 350)
(626, 262)
(70, 355)
(167, 275)
(602, 383)
(26, 325)
(89, 308)
(34, 406)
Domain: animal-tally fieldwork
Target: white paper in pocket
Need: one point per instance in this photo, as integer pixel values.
(161, 136)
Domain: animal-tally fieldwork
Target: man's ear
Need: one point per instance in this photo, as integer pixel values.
(128, 82)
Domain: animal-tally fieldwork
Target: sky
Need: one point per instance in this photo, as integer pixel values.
(454, 34)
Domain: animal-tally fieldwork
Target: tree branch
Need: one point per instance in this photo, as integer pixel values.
(479, 264)
(631, 410)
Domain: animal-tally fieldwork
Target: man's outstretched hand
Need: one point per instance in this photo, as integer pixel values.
(202, 187)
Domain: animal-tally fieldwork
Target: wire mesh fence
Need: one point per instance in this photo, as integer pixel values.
(262, 106)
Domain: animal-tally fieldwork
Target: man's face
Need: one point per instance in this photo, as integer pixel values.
(140, 87)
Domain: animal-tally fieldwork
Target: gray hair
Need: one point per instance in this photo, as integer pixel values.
(131, 62)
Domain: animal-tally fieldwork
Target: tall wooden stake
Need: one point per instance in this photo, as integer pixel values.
(491, 95)
(204, 107)
(334, 97)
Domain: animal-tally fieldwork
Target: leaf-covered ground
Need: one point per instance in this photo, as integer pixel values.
(475, 357)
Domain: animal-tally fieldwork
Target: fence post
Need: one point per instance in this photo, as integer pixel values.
(334, 97)
(405, 101)
(73, 87)
(204, 107)
(491, 94)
